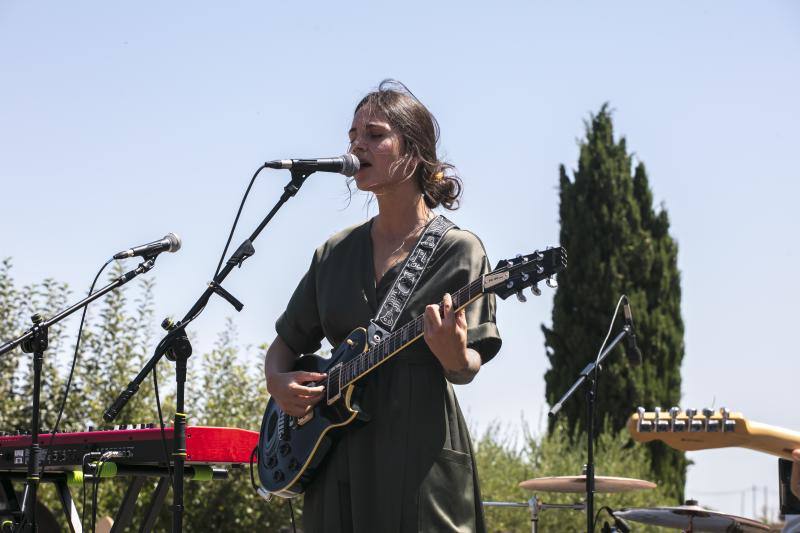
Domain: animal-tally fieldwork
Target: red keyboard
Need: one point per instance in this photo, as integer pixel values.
(204, 445)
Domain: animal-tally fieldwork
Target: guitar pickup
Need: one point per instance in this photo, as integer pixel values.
(334, 387)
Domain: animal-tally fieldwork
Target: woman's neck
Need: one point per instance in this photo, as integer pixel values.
(399, 215)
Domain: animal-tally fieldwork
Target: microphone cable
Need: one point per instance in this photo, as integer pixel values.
(161, 428)
(236, 220)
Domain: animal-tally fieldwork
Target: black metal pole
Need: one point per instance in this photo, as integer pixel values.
(177, 336)
(589, 374)
(37, 344)
(590, 397)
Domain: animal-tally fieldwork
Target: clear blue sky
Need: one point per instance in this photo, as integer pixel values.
(121, 122)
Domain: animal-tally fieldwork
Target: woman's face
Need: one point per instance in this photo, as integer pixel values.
(378, 146)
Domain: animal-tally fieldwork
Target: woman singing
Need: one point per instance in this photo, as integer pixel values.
(411, 466)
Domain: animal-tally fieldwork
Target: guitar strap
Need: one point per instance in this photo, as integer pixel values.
(406, 281)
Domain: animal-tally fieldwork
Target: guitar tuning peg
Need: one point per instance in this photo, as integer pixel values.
(536, 290)
(521, 297)
(552, 282)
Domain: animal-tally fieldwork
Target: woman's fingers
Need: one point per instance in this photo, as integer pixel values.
(302, 376)
(433, 319)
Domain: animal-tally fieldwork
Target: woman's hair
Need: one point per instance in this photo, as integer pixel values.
(439, 182)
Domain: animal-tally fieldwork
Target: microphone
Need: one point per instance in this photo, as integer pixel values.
(633, 352)
(346, 164)
(170, 243)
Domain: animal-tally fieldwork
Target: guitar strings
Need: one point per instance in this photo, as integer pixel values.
(351, 369)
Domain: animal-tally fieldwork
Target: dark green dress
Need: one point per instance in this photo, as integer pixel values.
(411, 467)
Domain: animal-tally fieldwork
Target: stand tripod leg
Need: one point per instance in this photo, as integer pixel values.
(68, 505)
(155, 505)
(10, 511)
(124, 514)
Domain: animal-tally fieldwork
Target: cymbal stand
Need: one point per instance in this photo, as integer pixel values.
(536, 505)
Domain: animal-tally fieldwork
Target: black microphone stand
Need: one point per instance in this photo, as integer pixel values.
(176, 346)
(35, 341)
(589, 374)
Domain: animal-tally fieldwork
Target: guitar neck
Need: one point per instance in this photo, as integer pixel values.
(771, 439)
(364, 363)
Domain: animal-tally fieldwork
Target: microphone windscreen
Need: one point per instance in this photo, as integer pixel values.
(350, 164)
(174, 242)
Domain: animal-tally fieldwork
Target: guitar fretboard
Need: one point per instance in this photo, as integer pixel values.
(358, 366)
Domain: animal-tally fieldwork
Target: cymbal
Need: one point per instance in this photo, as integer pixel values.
(577, 484)
(691, 517)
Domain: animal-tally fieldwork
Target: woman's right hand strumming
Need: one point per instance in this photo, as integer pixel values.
(294, 391)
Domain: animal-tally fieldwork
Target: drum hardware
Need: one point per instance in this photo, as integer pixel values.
(536, 506)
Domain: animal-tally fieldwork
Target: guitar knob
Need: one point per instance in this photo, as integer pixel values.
(536, 290)
(552, 282)
(278, 476)
(294, 464)
(642, 425)
(272, 461)
(521, 297)
(727, 423)
(285, 449)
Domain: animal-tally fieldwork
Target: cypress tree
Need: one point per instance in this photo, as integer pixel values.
(617, 244)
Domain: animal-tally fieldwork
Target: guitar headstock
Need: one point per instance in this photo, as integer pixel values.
(688, 429)
(514, 275)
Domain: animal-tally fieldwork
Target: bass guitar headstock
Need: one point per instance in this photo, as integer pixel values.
(514, 275)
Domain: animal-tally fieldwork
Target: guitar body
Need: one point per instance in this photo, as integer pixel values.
(291, 450)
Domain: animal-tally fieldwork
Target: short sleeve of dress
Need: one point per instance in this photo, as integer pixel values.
(482, 333)
(460, 260)
(300, 326)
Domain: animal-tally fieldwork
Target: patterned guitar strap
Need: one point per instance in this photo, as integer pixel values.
(396, 299)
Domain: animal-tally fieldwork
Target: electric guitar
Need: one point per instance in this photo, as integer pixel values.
(689, 431)
(291, 449)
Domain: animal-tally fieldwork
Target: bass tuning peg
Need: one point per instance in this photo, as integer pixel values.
(521, 297)
(536, 290)
(552, 282)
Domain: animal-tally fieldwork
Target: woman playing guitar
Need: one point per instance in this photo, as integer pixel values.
(411, 468)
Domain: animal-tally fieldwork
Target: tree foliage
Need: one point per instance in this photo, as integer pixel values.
(617, 243)
(227, 390)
